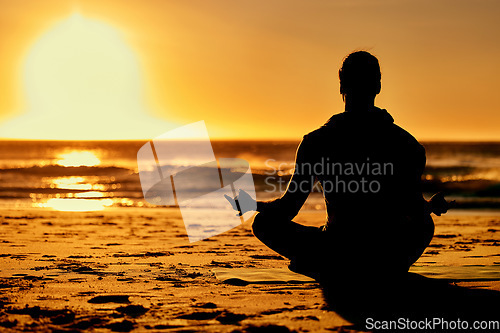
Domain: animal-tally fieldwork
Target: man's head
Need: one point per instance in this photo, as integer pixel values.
(360, 76)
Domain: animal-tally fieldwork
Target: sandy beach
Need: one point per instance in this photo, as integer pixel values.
(134, 269)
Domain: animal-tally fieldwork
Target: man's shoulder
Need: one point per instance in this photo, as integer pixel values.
(405, 136)
(381, 122)
(326, 128)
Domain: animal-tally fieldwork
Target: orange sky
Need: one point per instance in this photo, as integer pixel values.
(265, 69)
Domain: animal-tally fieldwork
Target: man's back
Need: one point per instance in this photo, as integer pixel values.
(371, 168)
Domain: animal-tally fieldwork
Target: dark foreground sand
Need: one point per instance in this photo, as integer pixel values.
(125, 269)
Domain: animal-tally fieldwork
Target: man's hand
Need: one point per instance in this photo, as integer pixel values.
(439, 205)
(242, 203)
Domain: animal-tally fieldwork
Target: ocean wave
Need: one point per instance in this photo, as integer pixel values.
(62, 171)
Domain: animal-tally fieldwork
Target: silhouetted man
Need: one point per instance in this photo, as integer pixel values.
(370, 172)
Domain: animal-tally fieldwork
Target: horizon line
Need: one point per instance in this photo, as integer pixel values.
(285, 139)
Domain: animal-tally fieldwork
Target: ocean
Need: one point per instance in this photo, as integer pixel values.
(95, 175)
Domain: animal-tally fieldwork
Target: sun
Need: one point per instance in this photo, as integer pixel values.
(82, 81)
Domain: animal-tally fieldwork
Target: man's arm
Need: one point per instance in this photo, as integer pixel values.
(298, 189)
(437, 204)
(289, 204)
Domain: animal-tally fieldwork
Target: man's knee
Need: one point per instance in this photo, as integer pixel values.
(265, 224)
(259, 224)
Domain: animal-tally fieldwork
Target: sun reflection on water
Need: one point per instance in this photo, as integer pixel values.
(78, 158)
(76, 205)
(76, 193)
(70, 183)
(91, 194)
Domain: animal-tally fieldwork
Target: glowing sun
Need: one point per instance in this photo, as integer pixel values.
(82, 81)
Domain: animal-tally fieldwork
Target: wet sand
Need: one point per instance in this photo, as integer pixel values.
(134, 269)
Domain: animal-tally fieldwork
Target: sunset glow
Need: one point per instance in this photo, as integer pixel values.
(252, 70)
(82, 81)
